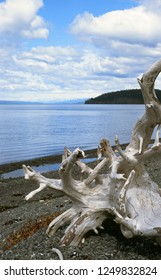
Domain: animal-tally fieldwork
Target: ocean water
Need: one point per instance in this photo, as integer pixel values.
(30, 131)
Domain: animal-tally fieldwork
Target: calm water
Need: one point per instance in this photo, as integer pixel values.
(30, 131)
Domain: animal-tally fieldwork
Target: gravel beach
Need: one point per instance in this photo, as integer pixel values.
(23, 223)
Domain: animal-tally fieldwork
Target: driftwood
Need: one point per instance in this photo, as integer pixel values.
(126, 191)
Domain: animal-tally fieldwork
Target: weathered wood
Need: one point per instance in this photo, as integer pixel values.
(126, 191)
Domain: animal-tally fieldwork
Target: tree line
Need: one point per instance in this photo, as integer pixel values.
(129, 96)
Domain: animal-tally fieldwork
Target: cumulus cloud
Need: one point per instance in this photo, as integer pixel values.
(122, 45)
(136, 25)
(51, 73)
(154, 5)
(20, 18)
(128, 41)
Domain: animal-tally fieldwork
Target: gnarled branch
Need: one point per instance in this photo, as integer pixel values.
(126, 191)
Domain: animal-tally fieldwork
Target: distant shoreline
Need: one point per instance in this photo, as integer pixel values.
(64, 102)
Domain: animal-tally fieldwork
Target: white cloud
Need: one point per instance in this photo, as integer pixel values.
(154, 5)
(136, 25)
(20, 18)
(127, 41)
(49, 54)
(51, 73)
(121, 45)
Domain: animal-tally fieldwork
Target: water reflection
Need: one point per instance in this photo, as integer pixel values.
(41, 168)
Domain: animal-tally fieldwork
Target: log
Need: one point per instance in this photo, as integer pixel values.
(125, 191)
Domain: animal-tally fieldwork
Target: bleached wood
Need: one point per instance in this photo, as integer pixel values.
(126, 190)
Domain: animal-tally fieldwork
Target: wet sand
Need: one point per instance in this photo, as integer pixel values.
(23, 223)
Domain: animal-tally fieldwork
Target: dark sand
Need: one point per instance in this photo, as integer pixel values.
(23, 223)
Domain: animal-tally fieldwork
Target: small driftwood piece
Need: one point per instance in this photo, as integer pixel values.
(126, 191)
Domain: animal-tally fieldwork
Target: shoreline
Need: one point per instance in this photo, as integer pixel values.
(51, 159)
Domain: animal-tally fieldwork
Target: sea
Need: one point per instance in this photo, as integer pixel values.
(39, 130)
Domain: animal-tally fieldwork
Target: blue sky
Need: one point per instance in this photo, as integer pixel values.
(54, 50)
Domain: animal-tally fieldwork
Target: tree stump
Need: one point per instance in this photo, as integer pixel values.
(126, 191)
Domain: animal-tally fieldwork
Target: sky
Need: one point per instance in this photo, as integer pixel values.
(55, 50)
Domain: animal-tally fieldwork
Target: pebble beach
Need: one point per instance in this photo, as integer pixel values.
(23, 223)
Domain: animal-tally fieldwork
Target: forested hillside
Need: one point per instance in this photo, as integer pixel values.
(130, 96)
